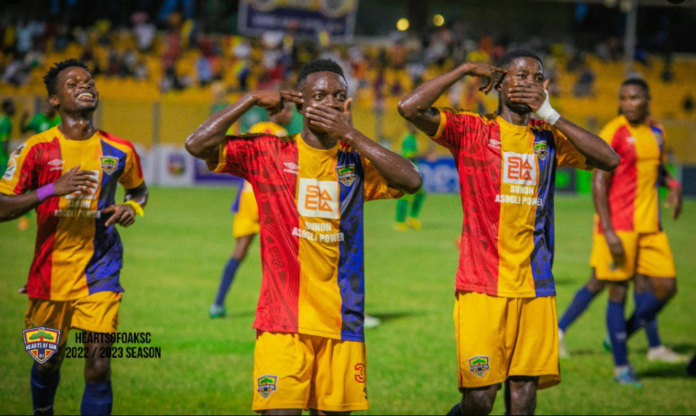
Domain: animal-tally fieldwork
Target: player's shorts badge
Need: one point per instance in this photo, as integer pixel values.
(479, 365)
(267, 385)
(41, 343)
(109, 164)
(541, 149)
(346, 175)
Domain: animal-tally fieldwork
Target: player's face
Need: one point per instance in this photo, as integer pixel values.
(76, 91)
(521, 71)
(634, 103)
(324, 88)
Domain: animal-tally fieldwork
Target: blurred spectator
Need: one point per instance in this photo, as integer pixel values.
(143, 31)
(688, 104)
(584, 87)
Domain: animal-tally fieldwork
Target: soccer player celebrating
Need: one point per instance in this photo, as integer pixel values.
(505, 313)
(622, 185)
(629, 241)
(246, 219)
(69, 174)
(310, 189)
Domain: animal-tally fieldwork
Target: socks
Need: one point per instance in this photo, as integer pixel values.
(645, 316)
(97, 399)
(227, 279)
(43, 390)
(456, 411)
(418, 200)
(616, 324)
(580, 304)
(401, 210)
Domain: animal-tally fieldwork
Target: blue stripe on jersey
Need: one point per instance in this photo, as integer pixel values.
(660, 137)
(351, 263)
(544, 238)
(104, 269)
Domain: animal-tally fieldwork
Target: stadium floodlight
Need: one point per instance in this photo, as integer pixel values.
(438, 20)
(403, 24)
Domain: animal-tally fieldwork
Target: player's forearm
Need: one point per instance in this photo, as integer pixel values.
(399, 172)
(13, 207)
(667, 180)
(596, 150)
(138, 195)
(600, 196)
(207, 139)
(424, 97)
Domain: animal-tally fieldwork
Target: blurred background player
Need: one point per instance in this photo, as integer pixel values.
(43, 120)
(506, 295)
(246, 212)
(629, 242)
(8, 111)
(69, 174)
(311, 187)
(406, 217)
(585, 296)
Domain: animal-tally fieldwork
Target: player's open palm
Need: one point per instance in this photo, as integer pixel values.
(531, 93)
(123, 215)
(74, 181)
(274, 101)
(616, 247)
(488, 72)
(333, 121)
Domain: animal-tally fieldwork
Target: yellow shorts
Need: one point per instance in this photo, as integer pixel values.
(296, 371)
(246, 220)
(499, 338)
(95, 313)
(646, 254)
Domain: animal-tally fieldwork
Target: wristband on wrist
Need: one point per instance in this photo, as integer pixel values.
(674, 184)
(46, 192)
(136, 207)
(547, 113)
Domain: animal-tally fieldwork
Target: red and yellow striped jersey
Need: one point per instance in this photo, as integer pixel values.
(633, 192)
(507, 177)
(76, 256)
(311, 214)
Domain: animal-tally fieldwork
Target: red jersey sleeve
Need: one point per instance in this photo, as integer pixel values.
(238, 156)
(457, 127)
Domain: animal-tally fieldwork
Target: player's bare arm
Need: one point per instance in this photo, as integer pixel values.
(600, 194)
(675, 199)
(74, 181)
(400, 173)
(125, 214)
(205, 142)
(417, 107)
(597, 151)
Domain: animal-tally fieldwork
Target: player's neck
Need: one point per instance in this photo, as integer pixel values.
(513, 117)
(78, 128)
(318, 141)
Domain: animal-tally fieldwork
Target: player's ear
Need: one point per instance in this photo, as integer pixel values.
(54, 101)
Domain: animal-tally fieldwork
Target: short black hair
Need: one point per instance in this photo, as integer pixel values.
(320, 65)
(638, 82)
(51, 77)
(510, 57)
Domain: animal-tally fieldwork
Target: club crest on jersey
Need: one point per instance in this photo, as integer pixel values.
(541, 149)
(346, 175)
(267, 385)
(109, 164)
(41, 343)
(479, 365)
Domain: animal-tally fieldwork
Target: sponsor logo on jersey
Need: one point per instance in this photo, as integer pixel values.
(109, 164)
(41, 343)
(11, 168)
(346, 175)
(520, 169)
(479, 365)
(267, 385)
(291, 168)
(541, 149)
(318, 199)
(56, 164)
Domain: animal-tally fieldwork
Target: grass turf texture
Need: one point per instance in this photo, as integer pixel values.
(174, 258)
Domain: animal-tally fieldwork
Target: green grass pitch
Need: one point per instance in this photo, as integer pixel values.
(174, 258)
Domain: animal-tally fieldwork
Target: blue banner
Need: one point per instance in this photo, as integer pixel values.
(439, 176)
(302, 17)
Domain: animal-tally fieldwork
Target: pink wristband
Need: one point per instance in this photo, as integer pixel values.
(45, 192)
(674, 184)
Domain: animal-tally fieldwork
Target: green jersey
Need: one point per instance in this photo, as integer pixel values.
(5, 132)
(409, 147)
(40, 123)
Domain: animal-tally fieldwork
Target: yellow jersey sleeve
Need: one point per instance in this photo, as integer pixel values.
(132, 176)
(568, 155)
(21, 171)
(376, 186)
